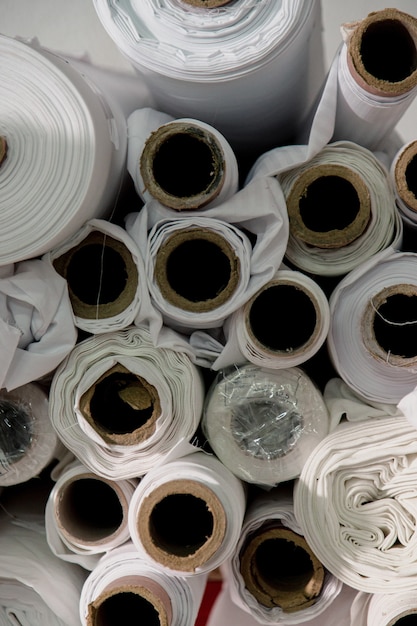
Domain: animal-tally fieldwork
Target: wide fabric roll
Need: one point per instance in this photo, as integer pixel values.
(186, 516)
(264, 423)
(122, 406)
(354, 501)
(390, 609)
(404, 177)
(372, 331)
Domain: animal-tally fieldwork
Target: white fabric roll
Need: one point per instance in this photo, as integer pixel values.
(263, 423)
(155, 135)
(86, 516)
(294, 601)
(186, 515)
(355, 503)
(105, 274)
(389, 609)
(372, 329)
(66, 150)
(122, 406)
(245, 67)
(122, 576)
(404, 178)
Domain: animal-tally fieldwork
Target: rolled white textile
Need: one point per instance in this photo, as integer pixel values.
(390, 609)
(354, 501)
(36, 322)
(373, 320)
(66, 150)
(105, 274)
(246, 68)
(123, 584)
(201, 268)
(404, 177)
(122, 405)
(86, 515)
(263, 423)
(184, 163)
(273, 575)
(186, 515)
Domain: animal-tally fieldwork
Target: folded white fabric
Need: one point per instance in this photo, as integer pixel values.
(264, 423)
(355, 503)
(86, 515)
(388, 609)
(66, 150)
(123, 584)
(373, 313)
(273, 575)
(105, 274)
(122, 405)
(186, 516)
(404, 178)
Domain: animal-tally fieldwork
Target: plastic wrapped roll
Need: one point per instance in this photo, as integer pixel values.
(263, 423)
(66, 150)
(124, 584)
(134, 404)
(390, 609)
(404, 177)
(372, 331)
(186, 516)
(105, 275)
(183, 163)
(86, 515)
(366, 532)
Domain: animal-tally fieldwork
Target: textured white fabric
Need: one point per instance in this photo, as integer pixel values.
(383, 609)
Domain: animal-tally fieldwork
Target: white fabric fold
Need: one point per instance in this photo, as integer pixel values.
(384, 609)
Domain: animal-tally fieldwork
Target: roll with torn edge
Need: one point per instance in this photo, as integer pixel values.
(124, 584)
(122, 405)
(384, 609)
(185, 516)
(404, 177)
(86, 515)
(184, 163)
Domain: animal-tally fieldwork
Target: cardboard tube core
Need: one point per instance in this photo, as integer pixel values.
(207, 4)
(90, 509)
(197, 270)
(389, 325)
(181, 524)
(405, 176)
(121, 406)
(182, 165)
(3, 149)
(408, 618)
(279, 569)
(382, 52)
(101, 274)
(282, 318)
(329, 206)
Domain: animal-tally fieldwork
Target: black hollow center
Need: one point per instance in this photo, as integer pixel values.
(283, 565)
(111, 411)
(96, 274)
(395, 325)
(183, 165)
(282, 318)
(126, 606)
(181, 523)
(15, 432)
(90, 509)
(198, 270)
(411, 175)
(329, 203)
(407, 620)
(388, 51)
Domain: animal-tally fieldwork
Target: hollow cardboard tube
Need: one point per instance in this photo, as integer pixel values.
(407, 158)
(207, 4)
(397, 620)
(3, 149)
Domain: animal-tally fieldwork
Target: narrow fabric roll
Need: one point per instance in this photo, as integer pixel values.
(66, 150)
(355, 499)
(105, 275)
(123, 585)
(86, 516)
(186, 516)
(246, 68)
(184, 163)
(273, 575)
(122, 405)
(404, 177)
(263, 423)
(373, 313)
(390, 609)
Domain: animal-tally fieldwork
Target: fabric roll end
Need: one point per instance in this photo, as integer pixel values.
(405, 175)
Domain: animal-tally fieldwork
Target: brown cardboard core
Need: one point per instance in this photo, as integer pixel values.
(328, 206)
(89, 509)
(279, 569)
(121, 406)
(207, 4)
(181, 524)
(197, 270)
(408, 619)
(282, 318)
(182, 166)
(405, 175)
(3, 149)
(101, 274)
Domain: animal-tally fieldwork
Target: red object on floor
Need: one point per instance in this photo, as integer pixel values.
(210, 594)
